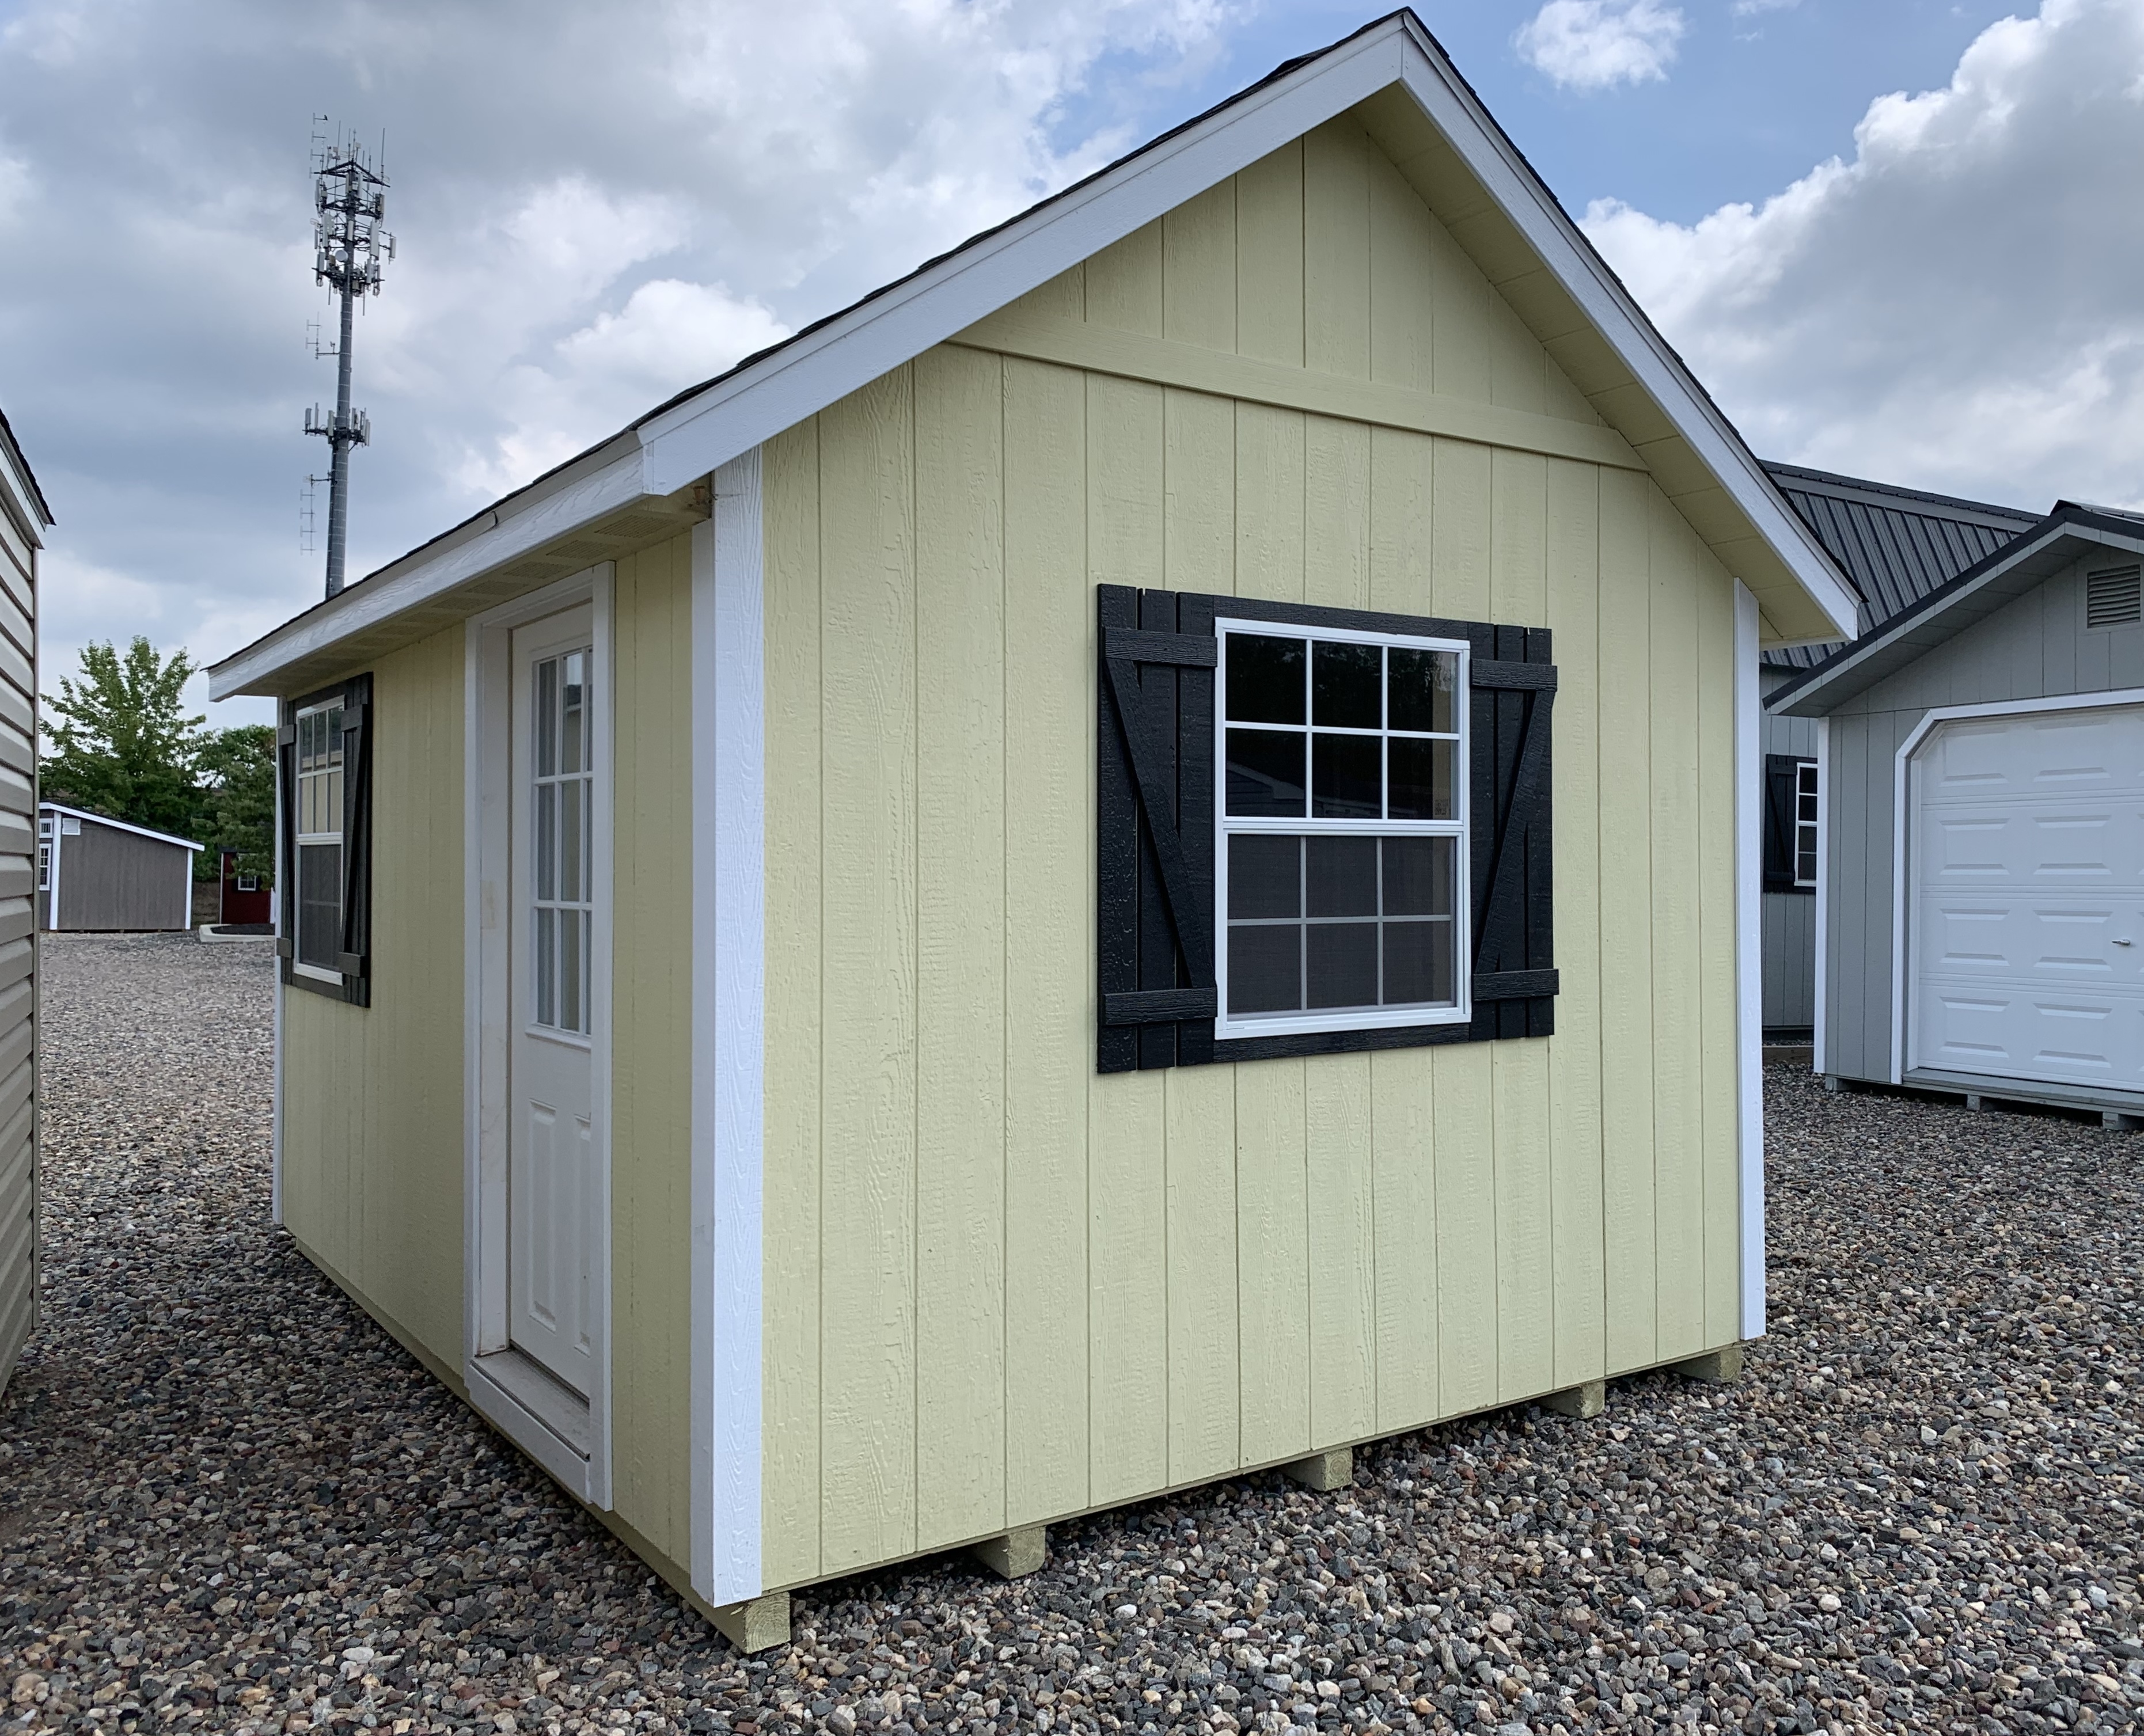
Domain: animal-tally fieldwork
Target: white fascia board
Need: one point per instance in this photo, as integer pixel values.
(372, 601)
(119, 825)
(733, 416)
(1576, 265)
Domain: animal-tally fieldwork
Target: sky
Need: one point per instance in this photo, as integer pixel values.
(1895, 238)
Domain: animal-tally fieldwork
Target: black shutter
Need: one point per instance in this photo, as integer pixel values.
(1156, 777)
(1154, 796)
(286, 836)
(1511, 681)
(355, 963)
(1781, 771)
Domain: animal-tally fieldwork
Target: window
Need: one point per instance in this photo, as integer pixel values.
(562, 904)
(319, 839)
(44, 853)
(1317, 830)
(1805, 820)
(1792, 804)
(249, 883)
(325, 778)
(1343, 824)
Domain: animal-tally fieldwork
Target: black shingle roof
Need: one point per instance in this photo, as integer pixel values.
(1895, 544)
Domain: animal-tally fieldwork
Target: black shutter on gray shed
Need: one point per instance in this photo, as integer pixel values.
(1156, 783)
(1782, 773)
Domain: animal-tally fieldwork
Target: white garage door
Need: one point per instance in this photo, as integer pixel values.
(2027, 926)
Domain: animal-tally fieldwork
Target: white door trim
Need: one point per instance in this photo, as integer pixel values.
(1822, 890)
(1750, 959)
(487, 784)
(1902, 1003)
(728, 1037)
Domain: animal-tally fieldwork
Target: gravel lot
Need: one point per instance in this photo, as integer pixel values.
(228, 1503)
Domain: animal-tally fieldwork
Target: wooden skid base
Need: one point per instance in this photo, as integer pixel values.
(1335, 1470)
(2115, 1122)
(1588, 1398)
(1016, 1555)
(757, 1626)
(1724, 1365)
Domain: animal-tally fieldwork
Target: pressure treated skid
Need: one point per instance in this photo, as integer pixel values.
(991, 1288)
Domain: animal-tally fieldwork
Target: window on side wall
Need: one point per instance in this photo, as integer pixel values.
(326, 788)
(1792, 804)
(1342, 831)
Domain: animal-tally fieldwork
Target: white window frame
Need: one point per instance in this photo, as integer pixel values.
(318, 973)
(1811, 827)
(1281, 1025)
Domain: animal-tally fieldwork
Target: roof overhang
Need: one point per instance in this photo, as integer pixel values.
(118, 825)
(1409, 97)
(2067, 535)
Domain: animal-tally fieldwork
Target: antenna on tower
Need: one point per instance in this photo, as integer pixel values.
(350, 199)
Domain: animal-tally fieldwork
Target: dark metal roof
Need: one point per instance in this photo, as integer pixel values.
(14, 451)
(1896, 545)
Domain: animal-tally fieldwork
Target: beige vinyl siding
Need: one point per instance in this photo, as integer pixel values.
(18, 980)
(651, 1034)
(1000, 1288)
(372, 1096)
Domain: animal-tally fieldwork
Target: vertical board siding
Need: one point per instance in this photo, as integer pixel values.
(372, 1096)
(651, 1035)
(1002, 1288)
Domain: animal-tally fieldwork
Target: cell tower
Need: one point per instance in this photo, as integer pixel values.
(350, 199)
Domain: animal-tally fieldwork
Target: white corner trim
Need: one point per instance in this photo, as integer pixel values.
(1900, 789)
(1823, 890)
(1750, 958)
(380, 598)
(728, 1035)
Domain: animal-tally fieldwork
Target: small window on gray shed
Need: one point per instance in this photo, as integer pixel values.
(2114, 598)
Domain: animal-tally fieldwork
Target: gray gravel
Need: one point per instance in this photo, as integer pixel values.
(227, 1502)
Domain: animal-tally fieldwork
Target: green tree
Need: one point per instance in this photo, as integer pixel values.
(123, 745)
(238, 796)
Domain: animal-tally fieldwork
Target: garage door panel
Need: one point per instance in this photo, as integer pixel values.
(2046, 753)
(2028, 922)
(2034, 1034)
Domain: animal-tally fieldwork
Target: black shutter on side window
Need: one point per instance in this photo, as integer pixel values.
(357, 961)
(1156, 779)
(286, 836)
(1154, 798)
(1511, 681)
(1781, 773)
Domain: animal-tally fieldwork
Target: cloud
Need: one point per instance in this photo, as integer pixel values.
(1594, 45)
(1754, 8)
(597, 207)
(1956, 306)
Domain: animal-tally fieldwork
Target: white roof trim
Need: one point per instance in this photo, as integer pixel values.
(139, 831)
(732, 415)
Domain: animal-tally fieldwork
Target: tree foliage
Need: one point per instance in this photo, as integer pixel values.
(238, 795)
(123, 746)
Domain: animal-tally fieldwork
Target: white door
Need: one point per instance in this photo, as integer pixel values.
(2028, 898)
(552, 1204)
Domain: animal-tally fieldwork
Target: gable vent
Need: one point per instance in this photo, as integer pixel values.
(2114, 598)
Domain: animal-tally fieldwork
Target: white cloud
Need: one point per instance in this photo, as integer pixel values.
(598, 206)
(1956, 306)
(1754, 8)
(1593, 45)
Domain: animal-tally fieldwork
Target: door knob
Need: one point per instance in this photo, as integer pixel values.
(2124, 943)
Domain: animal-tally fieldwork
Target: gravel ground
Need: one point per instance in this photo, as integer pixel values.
(231, 1504)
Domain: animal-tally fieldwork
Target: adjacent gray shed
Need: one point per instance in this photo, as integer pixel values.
(24, 518)
(1896, 545)
(1981, 919)
(94, 873)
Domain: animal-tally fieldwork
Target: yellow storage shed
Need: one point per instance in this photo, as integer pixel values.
(1133, 859)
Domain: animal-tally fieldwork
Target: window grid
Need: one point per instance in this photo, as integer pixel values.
(562, 902)
(319, 828)
(1310, 824)
(1806, 823)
